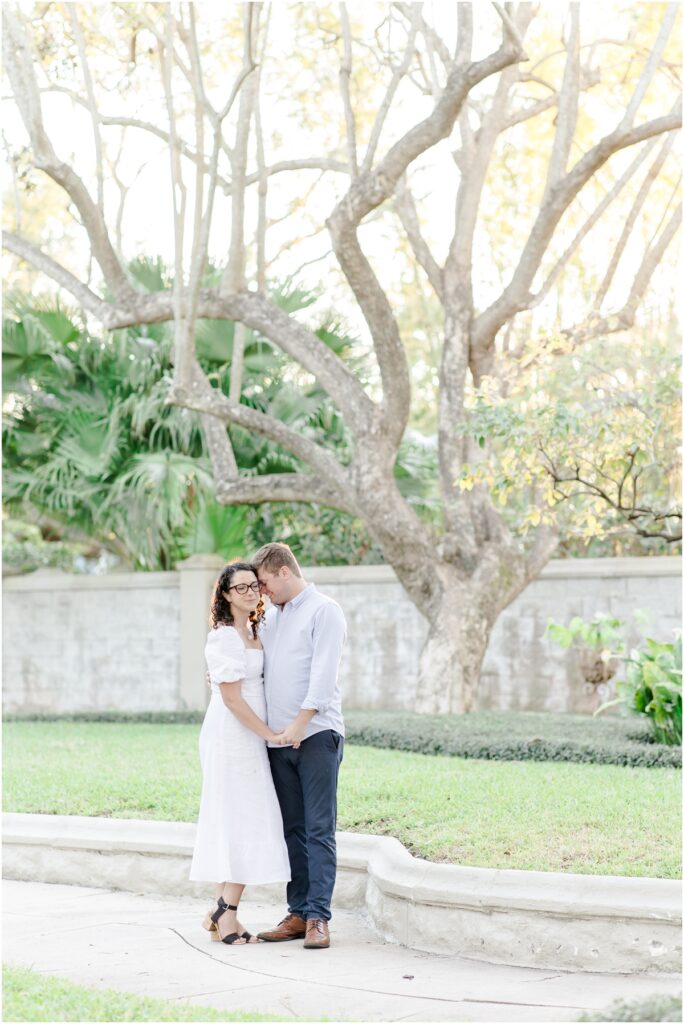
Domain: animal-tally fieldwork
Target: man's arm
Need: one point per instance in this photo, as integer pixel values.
(329, 635)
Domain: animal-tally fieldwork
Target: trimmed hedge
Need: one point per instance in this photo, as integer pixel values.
(145, 717)
(655, 1008)
(498, 736)
(514, 736)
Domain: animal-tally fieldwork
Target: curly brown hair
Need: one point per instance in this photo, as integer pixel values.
(220, 611)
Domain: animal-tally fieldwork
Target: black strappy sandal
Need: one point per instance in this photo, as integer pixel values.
(208, 921)
(234, 936)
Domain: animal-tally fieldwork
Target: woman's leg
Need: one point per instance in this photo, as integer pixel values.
(218, 893)
(228, 922)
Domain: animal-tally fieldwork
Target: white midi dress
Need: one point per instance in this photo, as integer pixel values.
(240, 828)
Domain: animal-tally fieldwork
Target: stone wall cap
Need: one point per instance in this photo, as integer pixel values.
(56, 580)
(564, 568)
(201, 562)
(560, 568)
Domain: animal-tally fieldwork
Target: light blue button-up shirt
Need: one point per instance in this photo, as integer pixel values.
(303, 642)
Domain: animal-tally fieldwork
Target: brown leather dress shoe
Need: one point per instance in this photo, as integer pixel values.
(317, 934)
(291, 927)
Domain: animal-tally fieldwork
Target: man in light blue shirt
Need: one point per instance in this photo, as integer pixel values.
(303, 635)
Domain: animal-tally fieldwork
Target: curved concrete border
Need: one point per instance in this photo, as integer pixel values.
(527, 918)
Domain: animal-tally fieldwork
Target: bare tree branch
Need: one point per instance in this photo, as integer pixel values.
(262, 315)
(345, 80)
(364, 195)
(283, 487)
(650, 67)
(516, 296)
(184, 361)
(464, 40)
(374, 188)
(405, 206)
(397, 76)
(432, 38)
(19, 64)
(530, 111)
(462, 514)
(223, 462)
(624, 318)
(11, 160)
(237, 362)
(566, 119)
(253, 309)
(233, 277)
(105, 312)
(92, 105)
(262, 218)
(592, 219)
(282, 166)
(212, 403)
(637, 206)
(511, 28)
(306, 163)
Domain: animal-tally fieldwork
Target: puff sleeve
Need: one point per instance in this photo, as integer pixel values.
(225, 655)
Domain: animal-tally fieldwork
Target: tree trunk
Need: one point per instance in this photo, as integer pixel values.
(451, 658)
(461, 607)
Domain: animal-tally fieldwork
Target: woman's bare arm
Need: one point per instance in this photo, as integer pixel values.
(235, 702)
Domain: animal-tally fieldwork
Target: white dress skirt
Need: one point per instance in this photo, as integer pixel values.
(240, 828)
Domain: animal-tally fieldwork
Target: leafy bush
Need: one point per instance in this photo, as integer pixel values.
(116, 717)
(512, 736)
(653, 688)
(655, 1008)
(24, 550)
(599, 643)
(603, 633)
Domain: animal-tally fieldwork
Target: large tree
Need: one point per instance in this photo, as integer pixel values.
(403, 90)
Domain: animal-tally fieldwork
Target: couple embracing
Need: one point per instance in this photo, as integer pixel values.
(271, 746)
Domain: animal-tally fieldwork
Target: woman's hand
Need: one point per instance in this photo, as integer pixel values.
(275, 737)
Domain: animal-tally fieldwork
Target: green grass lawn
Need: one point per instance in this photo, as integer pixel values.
(550, 816)
(34, 997)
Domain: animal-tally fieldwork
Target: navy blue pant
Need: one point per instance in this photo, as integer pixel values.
(306, 784)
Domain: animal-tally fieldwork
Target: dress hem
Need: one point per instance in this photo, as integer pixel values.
(237, 881)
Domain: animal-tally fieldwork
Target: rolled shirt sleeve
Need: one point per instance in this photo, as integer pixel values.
(225, 656)
(329, 633)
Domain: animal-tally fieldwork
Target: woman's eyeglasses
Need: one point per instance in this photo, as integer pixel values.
(242, 588)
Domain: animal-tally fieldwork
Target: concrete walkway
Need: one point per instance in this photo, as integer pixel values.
(154, 946)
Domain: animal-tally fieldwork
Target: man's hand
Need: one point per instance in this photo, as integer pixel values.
(294, 732)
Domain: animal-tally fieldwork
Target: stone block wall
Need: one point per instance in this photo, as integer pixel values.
(134, 641)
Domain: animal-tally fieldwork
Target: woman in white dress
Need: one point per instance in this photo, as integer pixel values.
(240, 829)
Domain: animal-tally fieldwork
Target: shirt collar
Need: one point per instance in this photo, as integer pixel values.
(300, 598)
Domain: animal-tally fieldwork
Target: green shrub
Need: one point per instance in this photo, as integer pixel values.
(513, 736)
(602, 633)
(144, 717)
(653, 688)
(655, 1008)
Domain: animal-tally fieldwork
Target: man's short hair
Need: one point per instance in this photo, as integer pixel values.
(272, 558)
